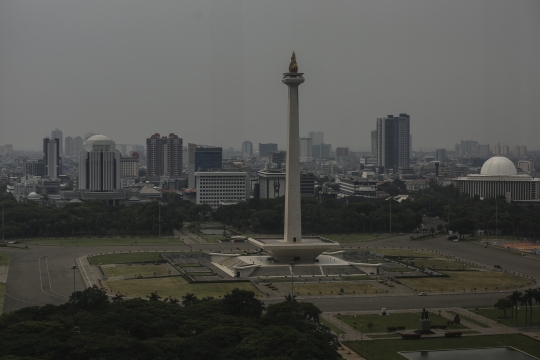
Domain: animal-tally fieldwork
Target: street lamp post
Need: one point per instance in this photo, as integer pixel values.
(74, 267)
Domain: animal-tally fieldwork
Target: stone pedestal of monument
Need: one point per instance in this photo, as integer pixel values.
(425, 325)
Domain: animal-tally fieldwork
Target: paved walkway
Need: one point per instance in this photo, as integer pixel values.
(493, 328)
(3, 274)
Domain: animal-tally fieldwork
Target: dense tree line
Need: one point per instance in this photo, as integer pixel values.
(24, 220)
(90, 326)
(518, 298)
(267, 216)
(466, 215)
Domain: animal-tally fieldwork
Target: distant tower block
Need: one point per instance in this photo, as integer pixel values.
(293, 226)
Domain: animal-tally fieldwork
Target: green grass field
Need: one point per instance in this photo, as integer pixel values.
(347, 238)
(459, 280)
(388, 349)
(384, 336)
(2, 290)
(124, 258)
(411, 321)
(332, 327)
(406, 253)
(83, 241)
(175, 287)
(334, 288)
(397, 269)
(134, 270)
(4, 259)
(495, 315)
(463, 317)
(437, 264)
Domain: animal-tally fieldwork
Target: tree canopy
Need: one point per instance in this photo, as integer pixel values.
(90, 326)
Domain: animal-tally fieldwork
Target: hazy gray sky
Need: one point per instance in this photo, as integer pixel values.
(210, 70)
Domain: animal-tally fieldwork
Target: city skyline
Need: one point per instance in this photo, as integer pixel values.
(204, 71)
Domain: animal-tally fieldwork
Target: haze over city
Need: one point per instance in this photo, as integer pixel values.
(210, 71)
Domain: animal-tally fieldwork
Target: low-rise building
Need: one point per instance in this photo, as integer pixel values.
(216, 187)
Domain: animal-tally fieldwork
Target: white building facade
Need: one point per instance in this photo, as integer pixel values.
(499, 177)
(99, 166)
(214, 188)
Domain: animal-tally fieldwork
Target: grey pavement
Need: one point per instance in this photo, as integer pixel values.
(43, 275)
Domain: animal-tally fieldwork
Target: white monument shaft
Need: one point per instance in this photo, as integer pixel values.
(293, 216)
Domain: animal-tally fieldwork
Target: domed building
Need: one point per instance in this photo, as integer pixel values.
(497, 177)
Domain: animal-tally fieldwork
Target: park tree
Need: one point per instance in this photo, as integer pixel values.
(91, 298)
(242, 303)
(503, 305)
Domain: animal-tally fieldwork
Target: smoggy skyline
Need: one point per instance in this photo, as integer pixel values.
(210, 71)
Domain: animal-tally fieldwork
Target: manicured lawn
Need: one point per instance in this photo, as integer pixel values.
(175, 287)
(436, 264)
(463, 317)
(4, 259)
(332, 327)
(134, 270)
(2, 290)
(459, 280)
(329, 288)
(397, 269)
(189, 265)
(495, 314)
(124, 258)
(384, 336)
(347, 238)
(388, 349)
(406, 253)
(83, 241)
(411, 321)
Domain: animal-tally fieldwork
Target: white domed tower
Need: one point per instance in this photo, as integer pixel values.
(99, 165)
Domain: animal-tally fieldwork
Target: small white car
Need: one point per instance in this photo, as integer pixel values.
(422, 294)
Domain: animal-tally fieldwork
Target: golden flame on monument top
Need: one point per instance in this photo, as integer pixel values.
(293, 66)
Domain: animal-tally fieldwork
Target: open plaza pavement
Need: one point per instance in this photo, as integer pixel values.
(42, 274)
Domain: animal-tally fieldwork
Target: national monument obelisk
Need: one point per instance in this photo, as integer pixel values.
(292, 248)
(293, 216)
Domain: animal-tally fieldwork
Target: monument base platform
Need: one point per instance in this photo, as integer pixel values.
(305, 251)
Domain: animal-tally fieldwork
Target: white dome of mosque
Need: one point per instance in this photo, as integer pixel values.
(498, 166)
(33, 195)
(99, 140)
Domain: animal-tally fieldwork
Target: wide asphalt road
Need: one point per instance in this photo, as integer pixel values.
(43, 275)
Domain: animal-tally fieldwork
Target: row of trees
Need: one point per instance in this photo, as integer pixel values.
(90, 326)
(97, 218)
(267, 216)
(517, 298)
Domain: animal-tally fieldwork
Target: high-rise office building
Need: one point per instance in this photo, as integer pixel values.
(129, 165)
(163, 156)
(52, 163)
(342, 154)
(99, 165)
(322, 151)
(69, 146)
(203, 158)
(306, 149)
(520, 151)
(78, 144)
(57, 134)
(247, 149)
(374, 142)
(265, 149)
(277, 159)
(393, 142)
(440, 155)
(317, 137)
